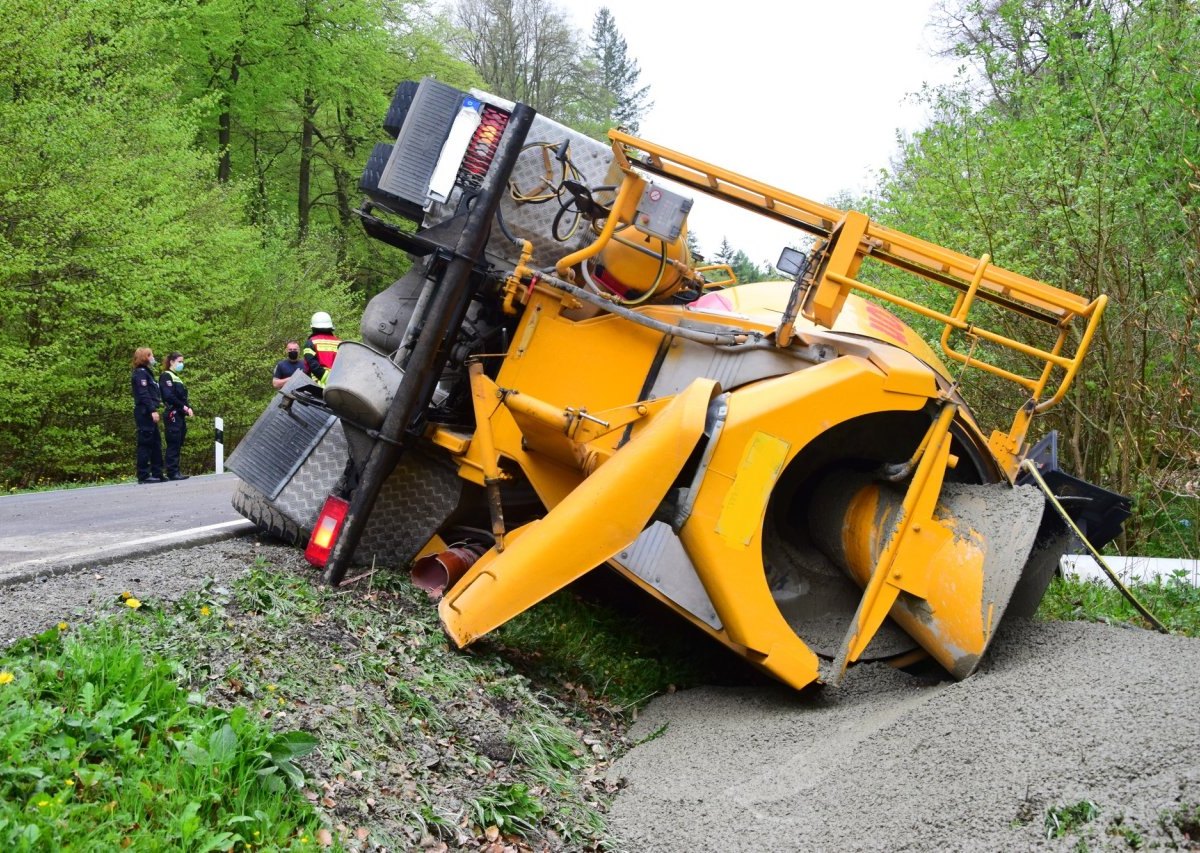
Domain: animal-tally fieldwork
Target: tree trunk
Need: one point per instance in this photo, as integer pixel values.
(225, 124)
(304, 204)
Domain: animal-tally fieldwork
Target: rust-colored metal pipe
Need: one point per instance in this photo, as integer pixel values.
(436, 573)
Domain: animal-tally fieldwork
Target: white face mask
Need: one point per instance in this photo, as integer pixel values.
(178, 368)
(153, 361)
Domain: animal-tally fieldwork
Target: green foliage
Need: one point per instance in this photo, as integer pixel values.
(104, 750)
(1063, 820)
(508, 807)
(1174, 601)
(371, 673)
(618, 73)
(546, 745)
(181, 176)
(154, 725)
(524, 50)
(616, 657)
(528, 51)
(1072, 163)
(745, 269)
(1185, 818)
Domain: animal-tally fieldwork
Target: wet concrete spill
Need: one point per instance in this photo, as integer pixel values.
(1057, 713)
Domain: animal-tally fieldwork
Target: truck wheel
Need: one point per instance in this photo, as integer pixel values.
(253, 504)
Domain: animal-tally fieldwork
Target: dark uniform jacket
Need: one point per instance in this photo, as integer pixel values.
(146, 396)
(174, 394)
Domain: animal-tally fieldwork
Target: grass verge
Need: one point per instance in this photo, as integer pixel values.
(274, 713)
(606, 641)
(104, 750)
(1172, 600)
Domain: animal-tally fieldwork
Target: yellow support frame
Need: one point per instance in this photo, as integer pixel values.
(850, 236)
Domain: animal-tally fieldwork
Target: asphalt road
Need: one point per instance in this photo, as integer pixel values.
(51, 533)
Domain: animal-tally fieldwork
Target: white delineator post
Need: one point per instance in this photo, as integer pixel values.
(219, 429)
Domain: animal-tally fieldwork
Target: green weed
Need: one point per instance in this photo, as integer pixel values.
(624, 658)
(654, 735)
(1174, 601)
(511, 808)
(104, 749)
(1062, 820)
(1185, 819)
(400, 734)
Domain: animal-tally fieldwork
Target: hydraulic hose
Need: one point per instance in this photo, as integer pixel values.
(715, 338)
(1031, 467)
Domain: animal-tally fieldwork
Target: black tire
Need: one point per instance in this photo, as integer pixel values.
(420, 494)
(253, 504)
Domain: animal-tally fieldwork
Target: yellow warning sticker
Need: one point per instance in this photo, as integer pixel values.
(746, 501)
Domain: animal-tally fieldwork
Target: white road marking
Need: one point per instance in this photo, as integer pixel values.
(164, 537)
(101, 550)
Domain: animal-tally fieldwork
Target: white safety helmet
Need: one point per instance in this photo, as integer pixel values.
(321, 320)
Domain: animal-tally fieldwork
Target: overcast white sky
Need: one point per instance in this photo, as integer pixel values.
(804, 95)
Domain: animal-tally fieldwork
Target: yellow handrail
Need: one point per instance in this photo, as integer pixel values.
(834, 279)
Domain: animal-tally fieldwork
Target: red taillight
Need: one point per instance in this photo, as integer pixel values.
(325, 531)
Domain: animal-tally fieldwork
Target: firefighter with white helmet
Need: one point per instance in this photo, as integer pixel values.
(320, 349)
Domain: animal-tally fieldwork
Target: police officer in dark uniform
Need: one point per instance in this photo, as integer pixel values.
(175, 400)
(146, 400)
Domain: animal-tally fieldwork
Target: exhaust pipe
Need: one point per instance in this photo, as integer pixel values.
(436, 573)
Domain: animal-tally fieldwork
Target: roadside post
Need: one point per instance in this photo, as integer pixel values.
(219, 432)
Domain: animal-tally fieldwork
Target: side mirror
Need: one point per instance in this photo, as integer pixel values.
(792, 262)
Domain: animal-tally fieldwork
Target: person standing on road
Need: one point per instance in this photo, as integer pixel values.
(285, 367)
(175, 402)
(146, 399)
(321, 348)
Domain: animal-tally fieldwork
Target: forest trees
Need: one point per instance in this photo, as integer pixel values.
(177, 175)
(291, 93)
(527, 50)
(1076, 161)
(619, 74)
(744, 269)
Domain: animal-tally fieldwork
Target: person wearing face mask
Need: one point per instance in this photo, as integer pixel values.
(285, 367)
(175, 400)
(146, 400)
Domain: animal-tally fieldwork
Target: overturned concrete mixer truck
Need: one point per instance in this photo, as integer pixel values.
(556, 385)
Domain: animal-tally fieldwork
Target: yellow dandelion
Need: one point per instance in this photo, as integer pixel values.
(271, 688)
(204, 611)
(43, 803)
(62, 626)
(125, 596)
(5, 677)
(132, 603)
(70, 782)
